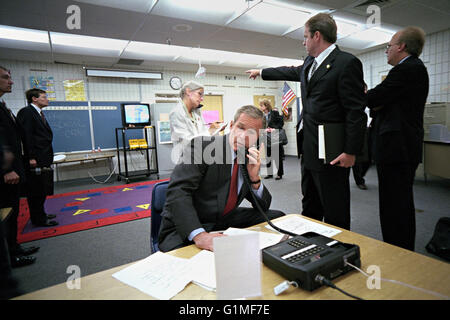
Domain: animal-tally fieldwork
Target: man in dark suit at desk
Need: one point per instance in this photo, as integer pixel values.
(205, 191)
(38, 138)
(332, 89)
(12, 175)
(397, 106)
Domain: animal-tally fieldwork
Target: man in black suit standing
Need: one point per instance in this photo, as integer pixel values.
(38, 138)
(206, 188)
(12, 175)
(332, 90)
(397, 106)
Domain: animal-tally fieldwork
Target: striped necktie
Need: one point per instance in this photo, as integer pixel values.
(313, 69)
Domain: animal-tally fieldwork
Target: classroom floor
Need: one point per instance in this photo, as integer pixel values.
(102, 248)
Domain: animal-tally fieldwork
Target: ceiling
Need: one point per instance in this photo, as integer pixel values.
(182, 29)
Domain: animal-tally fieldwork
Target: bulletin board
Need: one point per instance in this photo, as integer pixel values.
(257, 99)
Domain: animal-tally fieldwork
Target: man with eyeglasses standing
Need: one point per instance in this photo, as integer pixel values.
(397, 105)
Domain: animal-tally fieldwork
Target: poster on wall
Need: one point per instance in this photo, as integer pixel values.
(74, 90)
(164, 132)
(44, 83)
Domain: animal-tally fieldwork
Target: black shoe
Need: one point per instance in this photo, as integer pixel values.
(362, 186)
(26, 251)
(20, 261)
(270, 176)
(51, 216)
(46, 224)
(279, 178)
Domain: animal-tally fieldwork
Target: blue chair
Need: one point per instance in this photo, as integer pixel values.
(157, 206)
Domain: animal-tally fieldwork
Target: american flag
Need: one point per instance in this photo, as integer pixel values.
(288, 96)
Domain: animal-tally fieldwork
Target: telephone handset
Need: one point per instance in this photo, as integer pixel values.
(243, 167)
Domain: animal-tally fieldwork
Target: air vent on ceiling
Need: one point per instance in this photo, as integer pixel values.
(61, 62)
(133, 62)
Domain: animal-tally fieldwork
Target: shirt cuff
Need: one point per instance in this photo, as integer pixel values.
(195, 232)
(259, 192)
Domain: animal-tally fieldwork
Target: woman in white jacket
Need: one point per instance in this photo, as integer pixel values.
(186, 121)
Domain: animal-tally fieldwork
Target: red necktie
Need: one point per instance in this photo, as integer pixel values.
(232, 195)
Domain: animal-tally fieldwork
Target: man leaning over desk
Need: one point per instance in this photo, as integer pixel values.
(206, 188)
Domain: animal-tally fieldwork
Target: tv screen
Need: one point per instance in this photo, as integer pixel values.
(135, 114)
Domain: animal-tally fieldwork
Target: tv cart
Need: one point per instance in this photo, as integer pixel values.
(125, 149)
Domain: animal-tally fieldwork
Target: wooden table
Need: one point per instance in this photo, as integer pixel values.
(85, 157)
(394, 262)
(4, 213)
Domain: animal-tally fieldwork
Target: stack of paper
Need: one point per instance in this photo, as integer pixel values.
(163, 276)
(298, 225)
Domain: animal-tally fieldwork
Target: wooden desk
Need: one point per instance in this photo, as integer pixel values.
(84, 157)
(395, 263)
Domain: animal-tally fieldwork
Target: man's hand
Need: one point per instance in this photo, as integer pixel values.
(344, 160)
(254, 73)
(11, 178)
(254, 164)
(33, 163)
(204, 240)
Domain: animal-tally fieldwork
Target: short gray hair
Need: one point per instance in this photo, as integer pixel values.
(252, 112)
(192, 85)
(413, 38)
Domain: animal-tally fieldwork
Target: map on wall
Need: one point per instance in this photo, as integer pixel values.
(44, 83)
(74, 90)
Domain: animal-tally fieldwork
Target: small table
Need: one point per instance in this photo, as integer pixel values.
(84, 157)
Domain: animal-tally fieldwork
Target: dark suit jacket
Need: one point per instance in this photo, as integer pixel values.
(37, 136)
(197, 194)
(275, 120)
(334, 94)
(11, 139)
(398, 125)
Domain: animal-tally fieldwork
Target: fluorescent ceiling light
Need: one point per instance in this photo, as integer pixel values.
(123, 74)
(205, 6)
(154, 49)
(346, 28)
(268, 13)
(22, 34)
(376, 35)
(88, 42)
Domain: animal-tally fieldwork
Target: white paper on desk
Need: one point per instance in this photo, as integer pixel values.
(266, 239)
(299, 225)
(238, 266)
(203, 270)
(160, 275)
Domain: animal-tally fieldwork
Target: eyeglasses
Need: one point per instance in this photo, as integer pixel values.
(390, 45)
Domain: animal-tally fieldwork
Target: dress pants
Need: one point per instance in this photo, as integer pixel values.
(326, 195)
(396, 201)
(278, 161)
(10, 196)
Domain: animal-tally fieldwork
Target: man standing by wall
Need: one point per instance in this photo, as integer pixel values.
(398, 105)
(38, 138)
(332, 89)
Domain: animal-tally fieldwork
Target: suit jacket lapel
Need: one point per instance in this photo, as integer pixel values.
(324, 67)
(38, 115)
(304, 75)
